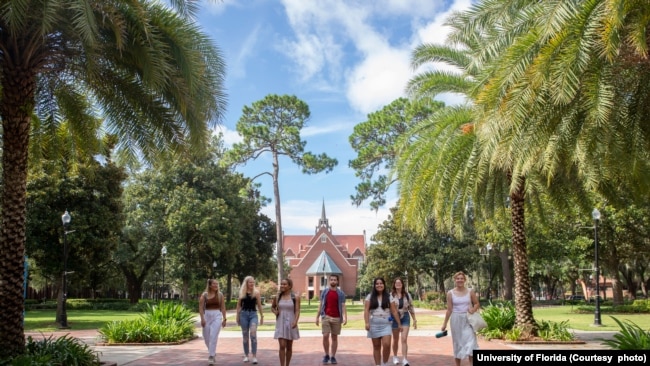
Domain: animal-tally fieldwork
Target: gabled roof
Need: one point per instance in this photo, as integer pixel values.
(323, 265)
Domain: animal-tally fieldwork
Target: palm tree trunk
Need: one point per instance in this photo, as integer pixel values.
(523, 301)
(18, 87)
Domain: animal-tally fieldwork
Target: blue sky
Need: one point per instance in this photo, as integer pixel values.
(345, 59)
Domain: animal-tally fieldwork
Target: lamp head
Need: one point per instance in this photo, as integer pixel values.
(163, 250)
(65, 218)
(214, 264)
(595, 214)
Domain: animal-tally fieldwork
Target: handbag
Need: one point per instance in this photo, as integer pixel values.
(476, 321)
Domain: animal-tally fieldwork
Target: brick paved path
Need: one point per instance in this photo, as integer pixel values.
(354, 349)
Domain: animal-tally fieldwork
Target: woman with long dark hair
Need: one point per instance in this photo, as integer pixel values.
(402, 300)
(378, 314)
(286, 307)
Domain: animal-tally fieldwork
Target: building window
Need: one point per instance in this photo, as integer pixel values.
(323, 239)
(311, 282)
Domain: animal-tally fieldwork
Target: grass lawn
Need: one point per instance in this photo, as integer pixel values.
(586, 321)
(43, 320)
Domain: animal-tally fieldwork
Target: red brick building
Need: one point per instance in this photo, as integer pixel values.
(313, 258)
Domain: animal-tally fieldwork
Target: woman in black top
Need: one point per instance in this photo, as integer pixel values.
(249, 299)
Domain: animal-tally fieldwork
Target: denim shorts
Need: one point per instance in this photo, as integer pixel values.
(406, 321)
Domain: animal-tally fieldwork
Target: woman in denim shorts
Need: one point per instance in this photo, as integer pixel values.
(402, 300)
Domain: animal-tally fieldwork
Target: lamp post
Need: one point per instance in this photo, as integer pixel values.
(65, 218)
(486, 252)
(163, 251)
(435, 269)
(595, 214)
(214, 269)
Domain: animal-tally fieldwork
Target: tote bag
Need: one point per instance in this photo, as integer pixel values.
(476, 321)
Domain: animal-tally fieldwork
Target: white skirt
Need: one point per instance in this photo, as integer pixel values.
(462, 336)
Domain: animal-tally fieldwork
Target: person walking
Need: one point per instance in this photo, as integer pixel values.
(334, 314)
(249, 300)
(402, 300)
(212, 310)
(377, 313)
(286, 307)
(460, 301)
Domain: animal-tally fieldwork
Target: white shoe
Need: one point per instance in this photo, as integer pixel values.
(254, 360)
(245, 358)
(405, 363)
(395, 360)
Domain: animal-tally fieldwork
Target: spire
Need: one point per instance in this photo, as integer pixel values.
(323, 222)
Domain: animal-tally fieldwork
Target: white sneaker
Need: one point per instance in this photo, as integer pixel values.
(245, 358)
(395, 360)
(254, 360)
(405, 363)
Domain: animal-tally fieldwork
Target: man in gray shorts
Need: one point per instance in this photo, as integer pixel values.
(334, 314)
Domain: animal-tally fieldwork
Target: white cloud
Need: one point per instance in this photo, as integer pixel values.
(229, 136)
(336, 39)
(378, 80)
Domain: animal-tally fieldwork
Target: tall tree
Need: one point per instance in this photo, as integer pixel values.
(152, 73)
(272, 125)
(375, 140)
(450, 166)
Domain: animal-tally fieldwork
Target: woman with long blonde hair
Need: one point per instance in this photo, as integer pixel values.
(249, 300)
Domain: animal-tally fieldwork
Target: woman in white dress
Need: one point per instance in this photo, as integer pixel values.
(286, 307)
(460, 301)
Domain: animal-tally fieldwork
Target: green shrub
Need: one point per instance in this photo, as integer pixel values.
(514, 334)
(554, 331)
(499, 316)
(63, 351)
(167, 321)
(630, 337)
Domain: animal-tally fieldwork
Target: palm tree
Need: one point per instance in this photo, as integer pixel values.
(574, 87)
(454, 161)
(154, 76)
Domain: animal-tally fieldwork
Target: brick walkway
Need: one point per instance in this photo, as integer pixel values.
(354, 349)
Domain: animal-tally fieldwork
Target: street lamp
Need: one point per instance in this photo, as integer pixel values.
(486, 252)
(435, 268)
(65, 218)
(163, 251)
(595, 214)
(214, 269)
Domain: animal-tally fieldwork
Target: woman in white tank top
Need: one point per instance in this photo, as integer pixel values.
(460, 301)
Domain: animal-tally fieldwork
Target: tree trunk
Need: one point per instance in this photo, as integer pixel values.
(278, 218)
(507, 274)
(17, 104)
(523, 301)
